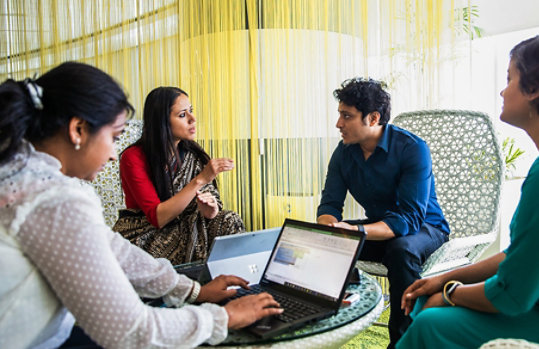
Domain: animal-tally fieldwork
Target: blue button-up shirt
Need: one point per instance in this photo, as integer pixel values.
(394, 185)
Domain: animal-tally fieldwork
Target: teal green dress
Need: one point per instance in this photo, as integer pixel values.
(513, 290)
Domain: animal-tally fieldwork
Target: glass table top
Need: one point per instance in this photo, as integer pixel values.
(369, 296)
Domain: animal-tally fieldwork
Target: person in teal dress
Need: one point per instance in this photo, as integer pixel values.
(497, 297)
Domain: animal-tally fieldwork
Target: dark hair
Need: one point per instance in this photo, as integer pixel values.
(367, 96)
(157, 141)
(71, 89)
(525, 55)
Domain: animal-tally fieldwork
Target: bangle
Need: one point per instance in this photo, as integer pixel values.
(449, 288)
(194, 292)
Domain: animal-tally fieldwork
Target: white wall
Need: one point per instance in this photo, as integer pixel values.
(506, 23)
(504, 16)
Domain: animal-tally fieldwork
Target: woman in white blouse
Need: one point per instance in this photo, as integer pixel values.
(58, 259)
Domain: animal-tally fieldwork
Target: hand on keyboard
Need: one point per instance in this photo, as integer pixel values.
(246, 310)
(218, 289)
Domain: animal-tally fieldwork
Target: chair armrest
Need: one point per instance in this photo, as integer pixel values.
(457, 252)
(508, 344)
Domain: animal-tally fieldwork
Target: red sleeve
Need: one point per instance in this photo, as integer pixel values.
(137, 185)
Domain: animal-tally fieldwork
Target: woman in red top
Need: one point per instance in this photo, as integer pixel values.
(173, 207)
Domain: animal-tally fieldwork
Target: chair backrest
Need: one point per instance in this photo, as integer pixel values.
(107, 183)
(467, 166)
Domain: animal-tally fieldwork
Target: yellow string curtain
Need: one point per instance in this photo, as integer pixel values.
(260, 73)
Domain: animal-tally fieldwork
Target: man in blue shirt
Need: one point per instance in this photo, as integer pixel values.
(388, 171)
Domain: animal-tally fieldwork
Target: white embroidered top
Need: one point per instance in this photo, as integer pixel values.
(56, 252)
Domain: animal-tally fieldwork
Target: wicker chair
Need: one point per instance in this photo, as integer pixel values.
(107, 183)
(509, 344)
(468, 169)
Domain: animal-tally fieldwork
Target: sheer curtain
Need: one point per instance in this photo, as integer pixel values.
(260, 73)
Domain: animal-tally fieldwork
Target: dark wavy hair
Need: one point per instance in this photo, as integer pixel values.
(157, 141)
(525, 55)
(70, 89)
(367, 95)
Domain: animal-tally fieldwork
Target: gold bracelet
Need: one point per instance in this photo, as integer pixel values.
(449, 288)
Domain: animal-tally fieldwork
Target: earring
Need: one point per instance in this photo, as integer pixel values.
(77, 145)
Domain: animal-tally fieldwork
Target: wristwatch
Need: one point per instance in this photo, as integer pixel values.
(195, 290)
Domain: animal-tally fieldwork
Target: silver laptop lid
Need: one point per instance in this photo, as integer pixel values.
(244, 255)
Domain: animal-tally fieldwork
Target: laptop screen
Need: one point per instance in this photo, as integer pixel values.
(313, 260)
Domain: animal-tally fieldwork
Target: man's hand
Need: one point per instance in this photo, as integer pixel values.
(326, 219)
(246, 310)
(344, 225)
(217, 289)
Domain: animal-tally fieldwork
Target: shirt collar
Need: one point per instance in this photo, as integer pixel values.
(25, 153)
(383, 143)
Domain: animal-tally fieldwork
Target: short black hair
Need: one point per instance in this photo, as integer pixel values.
(525, 55)
(367, 95)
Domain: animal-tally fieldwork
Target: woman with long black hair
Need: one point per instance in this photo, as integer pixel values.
(59, 261)
(173, 206)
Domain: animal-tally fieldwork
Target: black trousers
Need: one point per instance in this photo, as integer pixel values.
(403, 257)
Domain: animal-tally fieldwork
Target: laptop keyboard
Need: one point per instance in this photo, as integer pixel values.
(293, 309)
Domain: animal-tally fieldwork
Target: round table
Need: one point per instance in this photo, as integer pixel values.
(332, 332)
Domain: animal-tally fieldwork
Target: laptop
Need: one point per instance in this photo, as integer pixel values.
(307, 273)
(244, 255)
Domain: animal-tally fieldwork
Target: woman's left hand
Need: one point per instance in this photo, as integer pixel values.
(207, 204)
(434, 301)
(217, 289)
